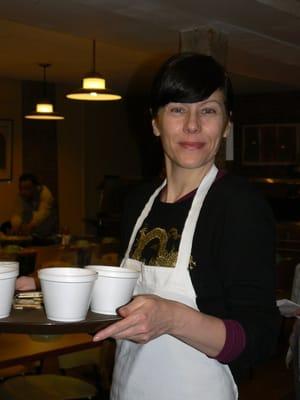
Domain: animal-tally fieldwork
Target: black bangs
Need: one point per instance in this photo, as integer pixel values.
(188, 78)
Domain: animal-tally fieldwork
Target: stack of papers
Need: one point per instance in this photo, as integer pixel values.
(288, 308)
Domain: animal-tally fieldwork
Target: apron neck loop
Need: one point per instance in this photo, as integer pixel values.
(185, 247)
(141, 219)
(186, 241)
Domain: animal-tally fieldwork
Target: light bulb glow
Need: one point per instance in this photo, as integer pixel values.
(44, 108)
(93, 83)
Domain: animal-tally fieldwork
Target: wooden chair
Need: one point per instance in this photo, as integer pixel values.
(12, 371)
(47, 385)
(18, 370)
(81, 363)
(97, 361)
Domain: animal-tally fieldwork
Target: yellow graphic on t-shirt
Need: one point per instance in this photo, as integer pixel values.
(158, 237)
(164, 245)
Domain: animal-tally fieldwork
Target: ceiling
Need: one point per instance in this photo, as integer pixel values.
(133, 36)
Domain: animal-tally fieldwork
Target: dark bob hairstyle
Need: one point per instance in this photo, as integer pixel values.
(189, 78)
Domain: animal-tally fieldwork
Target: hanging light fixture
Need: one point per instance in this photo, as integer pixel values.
(44, 108)
(93, 86)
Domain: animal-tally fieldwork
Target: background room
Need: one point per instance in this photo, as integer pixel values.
(100, 149)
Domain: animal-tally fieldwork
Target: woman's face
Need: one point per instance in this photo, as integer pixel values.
(191, 132)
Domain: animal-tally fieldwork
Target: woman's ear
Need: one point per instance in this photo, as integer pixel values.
(155, 128)
(228, 129)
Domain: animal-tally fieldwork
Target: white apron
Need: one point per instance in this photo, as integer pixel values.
(166, 368)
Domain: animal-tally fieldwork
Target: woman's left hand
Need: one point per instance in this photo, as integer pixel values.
(144, 318)
(25, 283)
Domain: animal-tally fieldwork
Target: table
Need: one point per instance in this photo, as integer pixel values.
(21, 348)
(33, 258)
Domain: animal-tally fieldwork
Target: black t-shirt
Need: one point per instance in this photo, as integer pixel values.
(158, 239)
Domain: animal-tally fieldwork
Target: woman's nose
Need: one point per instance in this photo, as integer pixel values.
(192, 123)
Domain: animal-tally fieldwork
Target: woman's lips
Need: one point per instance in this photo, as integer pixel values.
(192, 145)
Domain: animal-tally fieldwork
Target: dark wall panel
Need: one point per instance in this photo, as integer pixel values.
(39, 137)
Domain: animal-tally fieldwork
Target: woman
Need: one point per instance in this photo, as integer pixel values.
(204, 243)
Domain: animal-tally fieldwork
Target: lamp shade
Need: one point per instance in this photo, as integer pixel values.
(94, 81)
(93, 86)
(44, 109)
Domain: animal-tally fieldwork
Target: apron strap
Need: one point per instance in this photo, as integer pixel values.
(141, 219)
(186, 242)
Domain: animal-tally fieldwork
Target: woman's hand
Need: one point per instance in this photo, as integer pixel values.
(144, 318)
(25, 283)
(149, 316)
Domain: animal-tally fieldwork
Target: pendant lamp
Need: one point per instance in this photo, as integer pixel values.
(93, 86)
(44, 109)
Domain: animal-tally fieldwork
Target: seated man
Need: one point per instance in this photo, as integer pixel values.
(35, 212)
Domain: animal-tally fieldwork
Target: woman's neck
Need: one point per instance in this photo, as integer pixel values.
(181, 181)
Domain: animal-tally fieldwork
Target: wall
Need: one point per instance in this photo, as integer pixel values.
(98, 139)
(110, 148)
(268, 108)
(10, 108)
(94, 140)
(70, 156)
(39, 136)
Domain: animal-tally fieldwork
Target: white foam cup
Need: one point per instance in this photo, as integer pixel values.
(113, 288)
(8, 275)
(14, 264)
(66, 292)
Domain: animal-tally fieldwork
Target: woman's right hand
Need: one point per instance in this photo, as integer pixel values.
(25, 283)
(144, 318)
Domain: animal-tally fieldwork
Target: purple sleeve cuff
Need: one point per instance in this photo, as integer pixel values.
(235, 341)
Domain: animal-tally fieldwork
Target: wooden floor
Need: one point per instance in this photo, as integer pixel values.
(272, 381)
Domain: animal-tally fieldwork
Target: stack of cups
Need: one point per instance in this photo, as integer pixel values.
(8, 274)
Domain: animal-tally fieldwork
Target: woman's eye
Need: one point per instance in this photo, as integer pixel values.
(177, 110)
(208, 110)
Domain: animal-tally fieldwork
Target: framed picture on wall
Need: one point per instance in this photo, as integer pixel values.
(271, 144)
(6, 149)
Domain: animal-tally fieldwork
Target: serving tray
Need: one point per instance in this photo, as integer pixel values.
(33, 321)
